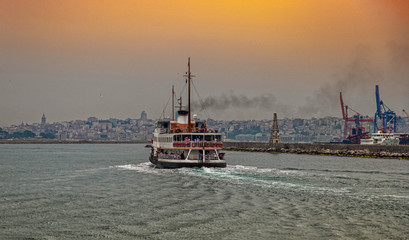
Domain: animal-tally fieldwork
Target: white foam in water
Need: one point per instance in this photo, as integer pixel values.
(237, 174)
(263, 177)
(395, 196)
(265, 170)
(145, 167)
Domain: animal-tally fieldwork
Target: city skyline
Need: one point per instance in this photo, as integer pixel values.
(76, 59)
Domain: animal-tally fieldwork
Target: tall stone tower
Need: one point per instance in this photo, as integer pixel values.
(275, 135)
(43, 119)
(144, 116)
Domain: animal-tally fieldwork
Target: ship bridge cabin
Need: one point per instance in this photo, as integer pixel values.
(171, 134)
(181, 125)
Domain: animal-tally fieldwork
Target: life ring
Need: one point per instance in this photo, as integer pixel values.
(193, 144)
(212, 144)
(207, 144)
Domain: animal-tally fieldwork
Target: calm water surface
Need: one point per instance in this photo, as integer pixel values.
(113, 192)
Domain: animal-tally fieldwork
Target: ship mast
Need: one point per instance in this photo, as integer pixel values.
(189, 128)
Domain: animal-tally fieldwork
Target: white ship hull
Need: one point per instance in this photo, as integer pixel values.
(381, 139)
(176, 163)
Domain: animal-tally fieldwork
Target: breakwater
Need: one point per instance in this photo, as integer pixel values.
(380, 151)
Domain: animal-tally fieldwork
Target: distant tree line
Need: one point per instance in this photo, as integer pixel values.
(250, 130)
(48, 134)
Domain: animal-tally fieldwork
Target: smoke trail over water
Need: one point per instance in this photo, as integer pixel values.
(357, 82)
(358, 79)
(265, 101)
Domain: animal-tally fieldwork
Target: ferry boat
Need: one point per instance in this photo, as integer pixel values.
(382, 139)
(186, 143)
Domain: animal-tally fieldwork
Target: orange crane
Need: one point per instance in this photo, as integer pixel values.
(357, 132)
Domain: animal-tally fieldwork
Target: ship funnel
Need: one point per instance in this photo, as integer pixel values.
(182, 117)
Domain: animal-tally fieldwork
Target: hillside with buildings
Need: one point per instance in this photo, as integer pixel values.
(291, 129)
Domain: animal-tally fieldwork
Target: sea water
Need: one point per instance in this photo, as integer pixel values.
(92, 191)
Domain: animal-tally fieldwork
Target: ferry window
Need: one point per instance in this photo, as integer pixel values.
(208, 137)
(159, 125)
(187, 136)
(218, 137)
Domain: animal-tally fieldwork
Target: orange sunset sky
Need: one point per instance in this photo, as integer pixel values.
(74, 59)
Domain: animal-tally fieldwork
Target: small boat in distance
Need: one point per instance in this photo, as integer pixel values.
(382, 139)
(186, 143)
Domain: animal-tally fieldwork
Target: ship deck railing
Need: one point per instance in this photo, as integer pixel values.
(191, 157)
(200, 143)
(184, 131)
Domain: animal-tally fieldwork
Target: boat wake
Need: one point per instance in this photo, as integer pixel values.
(267, 178)
(145, 167)
(243, 175)
(264, 178)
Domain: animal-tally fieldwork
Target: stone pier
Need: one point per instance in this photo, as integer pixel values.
(379, 151)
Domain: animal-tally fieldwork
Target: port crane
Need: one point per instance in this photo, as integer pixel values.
(384, 116)
(355, 133)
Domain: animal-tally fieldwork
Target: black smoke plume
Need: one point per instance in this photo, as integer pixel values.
(265, 101)
(357, 80)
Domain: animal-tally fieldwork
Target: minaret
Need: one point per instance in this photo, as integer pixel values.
(275, 135)
(43, 119)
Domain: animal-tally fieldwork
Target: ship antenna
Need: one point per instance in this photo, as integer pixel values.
(180, 103)
(173, 103)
